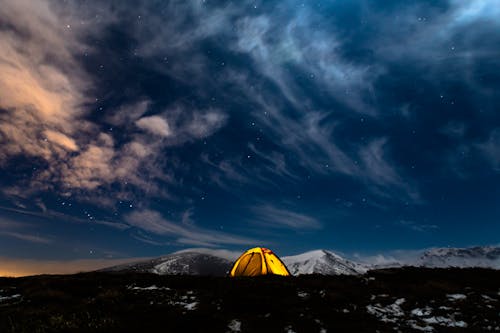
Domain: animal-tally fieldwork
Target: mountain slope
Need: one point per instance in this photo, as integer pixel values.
(219, 262)
(321, 262)
(193, 263)
(187, 262)
(487, 256)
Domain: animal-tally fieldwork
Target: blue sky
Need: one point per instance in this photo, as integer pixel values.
(131, 129)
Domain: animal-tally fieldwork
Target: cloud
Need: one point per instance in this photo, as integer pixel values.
(454, 130)
(21, 231)
(283, 65)
(379, 174)
(469, 156)
(203, 124)
(47, 117)
(45, 101)
(490, 149)
(153, 222)
(154, 125)
(61, 140)
(445, 38)
(315, 52)
(40, 99)
(274, 217)
(26, 237)
(412, 225)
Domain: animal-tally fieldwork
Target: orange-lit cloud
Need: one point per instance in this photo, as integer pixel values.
(44, 98)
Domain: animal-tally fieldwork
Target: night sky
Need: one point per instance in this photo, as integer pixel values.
(134, 129)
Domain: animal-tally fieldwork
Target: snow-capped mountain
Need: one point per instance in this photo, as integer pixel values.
(193, 263)
(187, 262)
(219, 262)
(487, 256)
(322, 262)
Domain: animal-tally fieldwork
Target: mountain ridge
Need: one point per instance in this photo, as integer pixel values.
(218, 262)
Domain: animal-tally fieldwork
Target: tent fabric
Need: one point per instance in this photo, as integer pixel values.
(258, 261)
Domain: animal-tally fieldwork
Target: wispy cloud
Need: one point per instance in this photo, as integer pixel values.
(491, 149)
(6, 223)
(415, 226)
(26, 232)
(153, 222)
(274, 45)
(26, 237)
(297, 82)
(274, 217)
(380, 174)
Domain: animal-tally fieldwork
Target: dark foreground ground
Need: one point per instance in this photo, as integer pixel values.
(405, 300)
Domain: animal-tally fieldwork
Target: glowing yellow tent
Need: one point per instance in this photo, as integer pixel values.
(258, 261)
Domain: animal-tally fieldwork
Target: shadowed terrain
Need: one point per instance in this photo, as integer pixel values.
(404, 299)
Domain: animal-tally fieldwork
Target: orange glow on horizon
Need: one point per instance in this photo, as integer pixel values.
(25, 267)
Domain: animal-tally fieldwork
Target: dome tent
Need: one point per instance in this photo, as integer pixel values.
(258, 261)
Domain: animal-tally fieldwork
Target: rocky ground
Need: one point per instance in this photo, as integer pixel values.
(392, 300)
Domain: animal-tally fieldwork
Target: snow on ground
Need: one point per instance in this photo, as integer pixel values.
(444, 321)
(9, 298)
(445, 308)
(234, 326)
(188, 301)
(387, 314)
(488, 298)
(190, 306)
(153, 287)
(456, 297)
(322, 329)
(421, 312)
(421, 318)
(419, 327)
(491, 328)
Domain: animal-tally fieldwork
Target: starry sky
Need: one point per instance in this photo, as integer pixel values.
(134, 129)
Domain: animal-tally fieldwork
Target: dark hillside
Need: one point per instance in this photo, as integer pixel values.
(406, 300)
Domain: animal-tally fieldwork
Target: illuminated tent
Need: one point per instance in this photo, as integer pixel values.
(258, 261)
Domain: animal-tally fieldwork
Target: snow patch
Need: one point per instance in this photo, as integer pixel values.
(415, 326)
(153, 287)
(190, 306)
(421, 312)
(456, 297)
(488, 298)
(444, 321)
(9, 298)
(445, 308)
(234, 326)
(388, 314)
